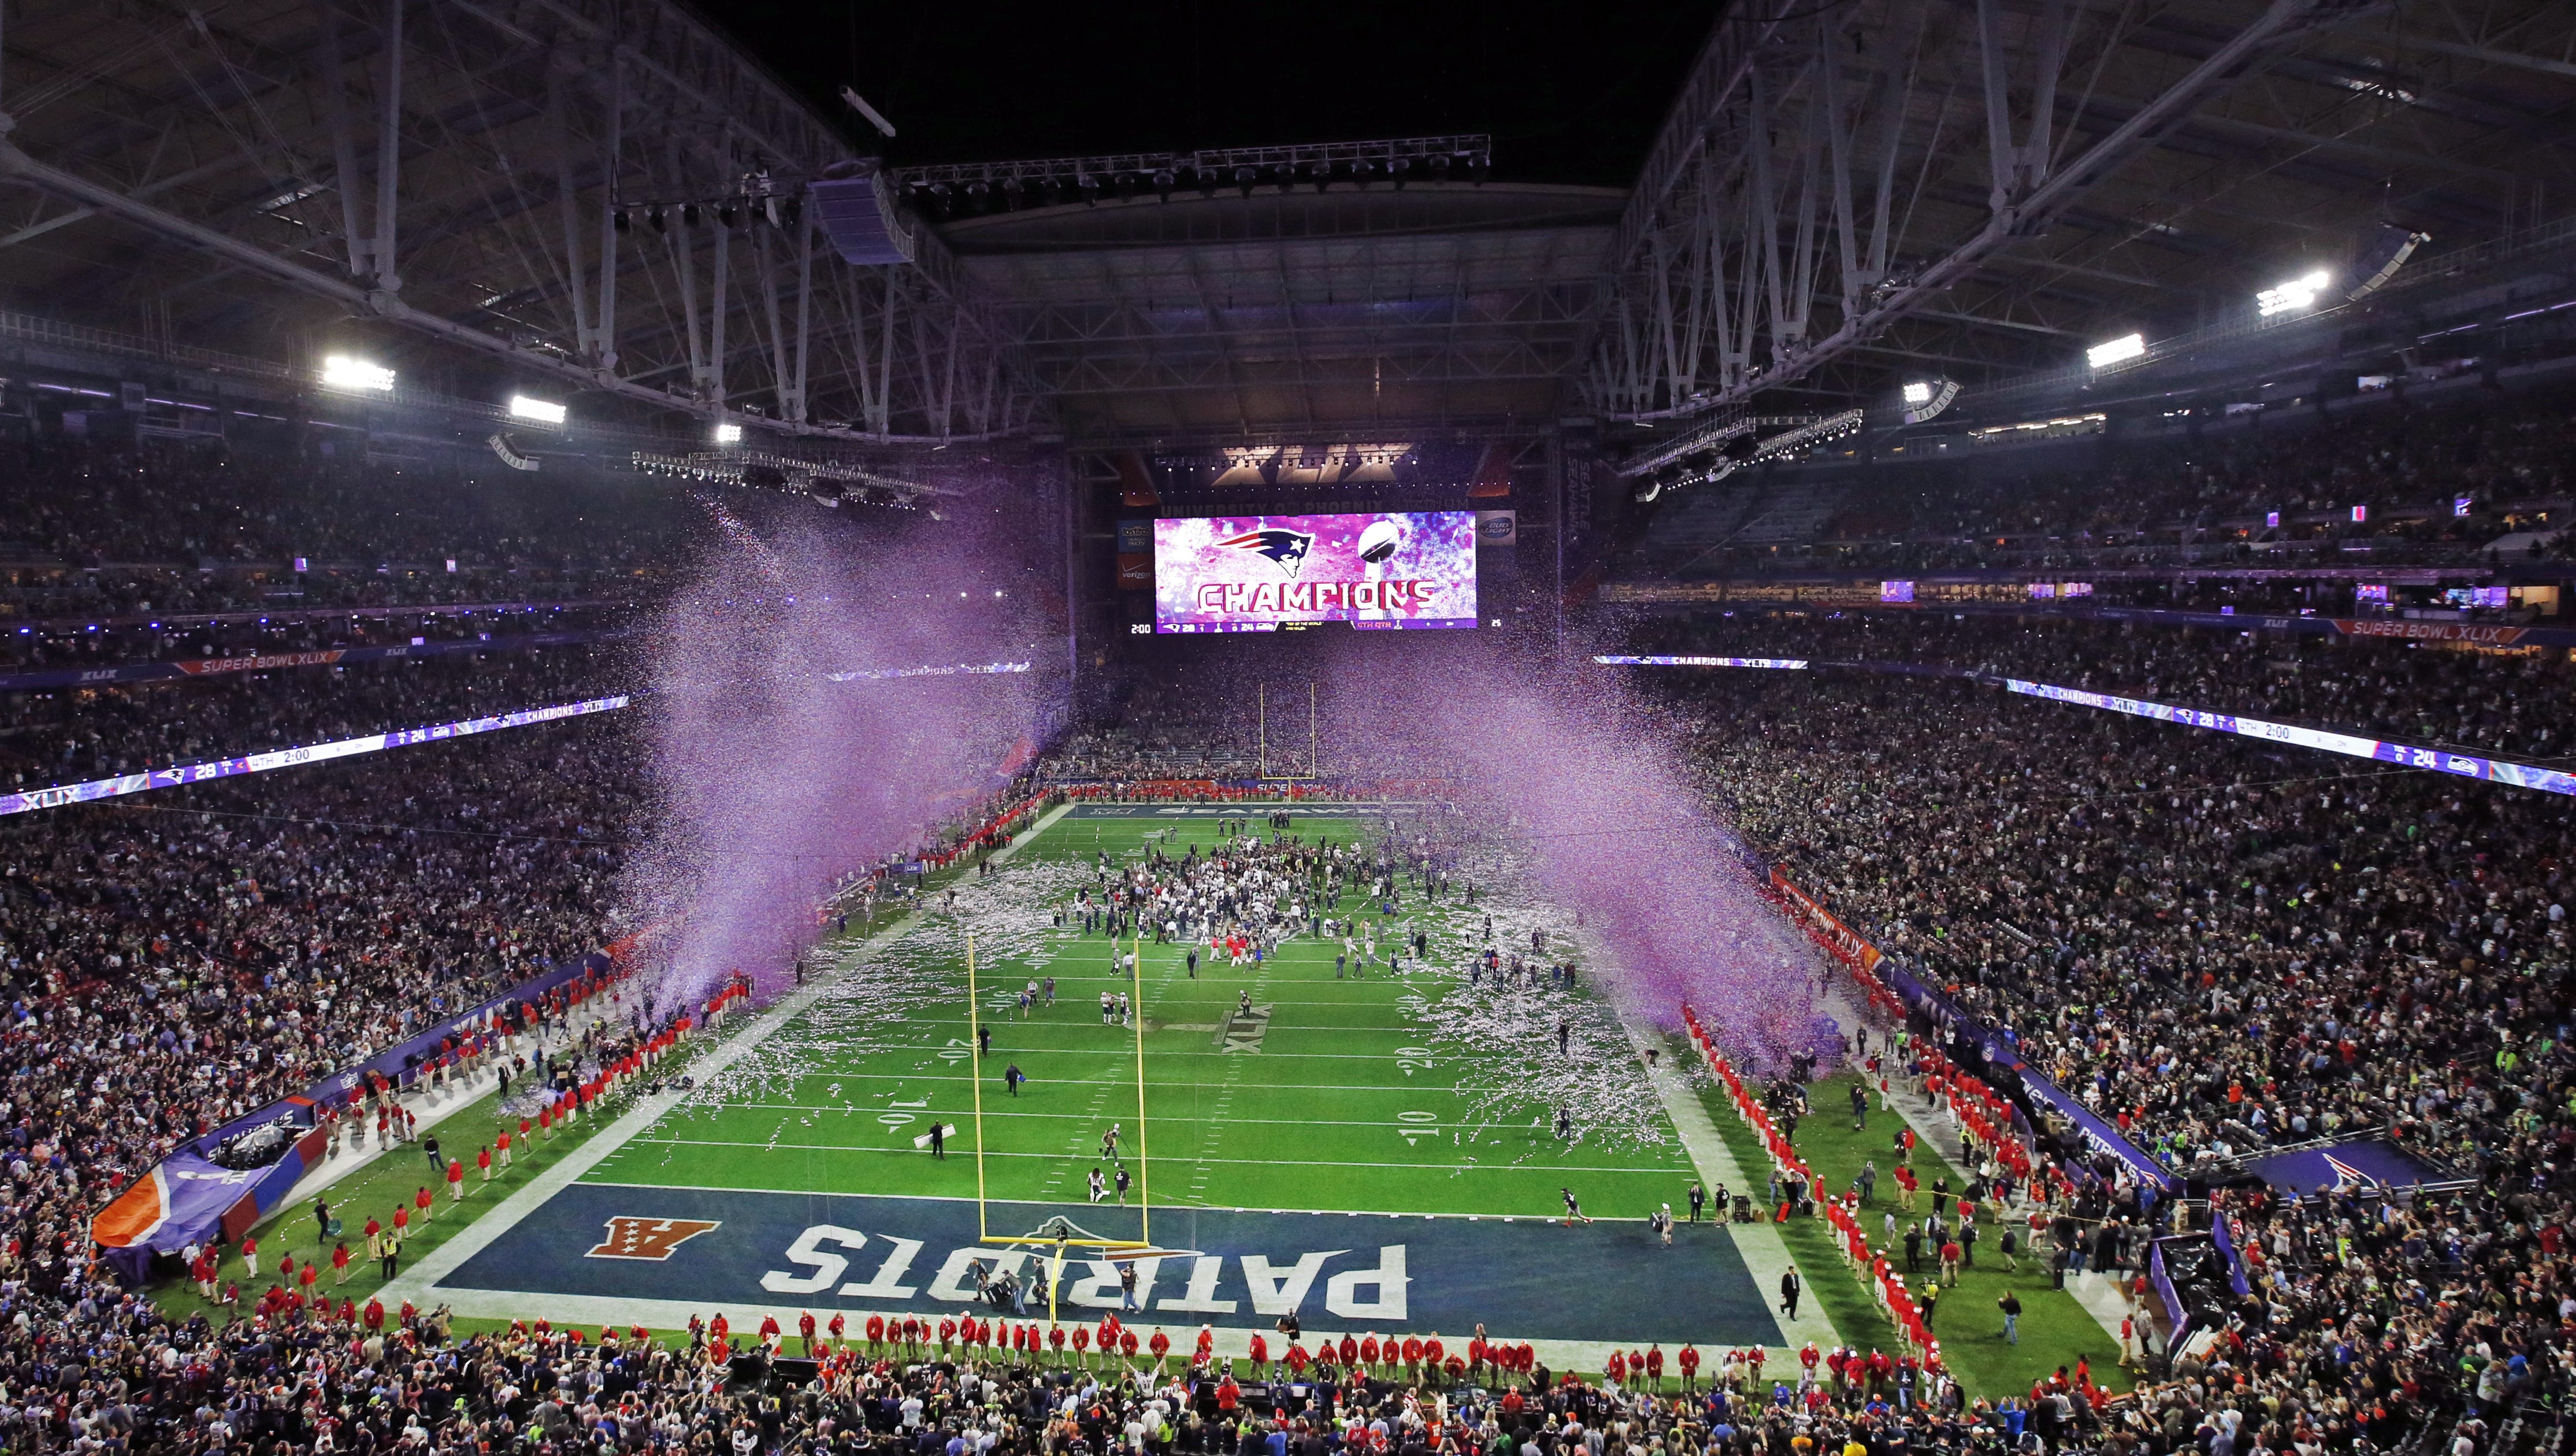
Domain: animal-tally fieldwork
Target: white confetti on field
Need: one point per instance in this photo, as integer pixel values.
(1502, 1033)
(881, 991)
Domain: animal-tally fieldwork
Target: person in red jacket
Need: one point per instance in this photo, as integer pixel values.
(340, 1264)
(805, 1330)
(424, 1207)
(456, 1180)
(483, 1160)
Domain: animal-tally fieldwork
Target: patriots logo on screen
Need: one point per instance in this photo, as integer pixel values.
(1286, 548)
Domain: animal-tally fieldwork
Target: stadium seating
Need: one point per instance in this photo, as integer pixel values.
(2169, 498)
(2228, 949)
(2225, 947)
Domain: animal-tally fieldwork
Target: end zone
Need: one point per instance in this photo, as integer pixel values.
(622, 1252)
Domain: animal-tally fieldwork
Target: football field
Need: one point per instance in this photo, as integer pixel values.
(1364, 1149)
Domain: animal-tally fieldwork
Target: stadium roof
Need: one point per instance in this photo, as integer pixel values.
(1446, 306)
(1849, 193)
(1842, 194)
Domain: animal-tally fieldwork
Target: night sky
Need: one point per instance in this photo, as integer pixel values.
(1570, 92)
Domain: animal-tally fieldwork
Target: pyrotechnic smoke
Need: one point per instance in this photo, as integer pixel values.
(1590, 785)
(775, 780)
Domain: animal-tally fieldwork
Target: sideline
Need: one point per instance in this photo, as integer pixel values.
(418, 1283)
(2098, 1293)
(1765, 1254)
(427, 1119)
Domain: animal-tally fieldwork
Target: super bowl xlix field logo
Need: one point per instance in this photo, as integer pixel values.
(656, 1239)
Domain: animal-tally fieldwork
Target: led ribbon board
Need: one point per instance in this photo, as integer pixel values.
(2405, 755)
(1789, 664)
(58, 795)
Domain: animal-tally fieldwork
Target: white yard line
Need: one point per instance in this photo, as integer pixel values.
(1166, 1160)
(1185, 1208)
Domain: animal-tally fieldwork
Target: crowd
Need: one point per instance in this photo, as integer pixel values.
(2470, 696)
(85, 504)
(182, 959)
(1185, 717)
(2224, 948)
(130, 600)
(71, 735)
(338, 1379)
(2103, 501)
(87, 645)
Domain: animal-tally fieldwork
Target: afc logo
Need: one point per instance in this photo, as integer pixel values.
(631, 1237)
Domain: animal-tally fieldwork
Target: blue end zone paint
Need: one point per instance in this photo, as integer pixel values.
(1536, 1280)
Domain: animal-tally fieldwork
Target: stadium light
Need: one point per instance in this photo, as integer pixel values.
(342, 372)
(2113, 351)
(2297, 293)
(1918, 393)
(542, 411)
(728, 434)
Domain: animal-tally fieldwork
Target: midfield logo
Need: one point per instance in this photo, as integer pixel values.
(630, 1237)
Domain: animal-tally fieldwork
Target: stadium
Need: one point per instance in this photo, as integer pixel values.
(1707, 730)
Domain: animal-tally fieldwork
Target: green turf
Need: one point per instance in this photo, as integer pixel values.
(2055, 1329)
(1348, 1104)
(1852, 1309)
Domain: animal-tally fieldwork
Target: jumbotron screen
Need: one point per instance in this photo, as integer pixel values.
(1390, 571)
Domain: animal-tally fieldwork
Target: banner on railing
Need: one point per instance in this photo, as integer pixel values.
(2000, 1052)
(1782, 664)
(188, 1198)
(1841, 941)
(198, 667)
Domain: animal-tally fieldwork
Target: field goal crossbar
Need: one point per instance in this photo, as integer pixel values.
(1060, 1232)
(1053, 1232)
